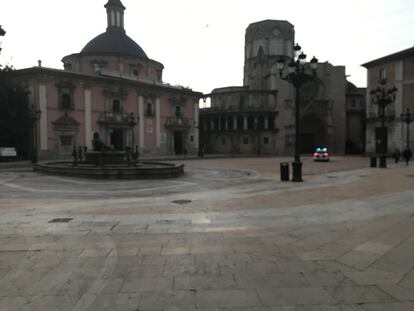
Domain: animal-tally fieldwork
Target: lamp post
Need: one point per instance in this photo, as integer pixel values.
(2, 34)
(257, 130)
(382, 97)
(34, 117)
(407, 118)
(297, 76)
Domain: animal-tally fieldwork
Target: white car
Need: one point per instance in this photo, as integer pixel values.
(7, 153)
(321, 154)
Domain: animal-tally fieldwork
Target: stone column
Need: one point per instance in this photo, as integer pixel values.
(88, 120)
(235, 123)
(158, 122)
(141, 121)
(43, 117)
(245, 125)
(196, 125)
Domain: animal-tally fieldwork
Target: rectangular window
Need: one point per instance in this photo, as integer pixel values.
(177, 112)
(116, 105)
(149, 111)
(66, 101)
(192, 138)
(266, 140)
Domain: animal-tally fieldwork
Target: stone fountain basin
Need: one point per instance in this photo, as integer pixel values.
(143, 170)
(110, 157)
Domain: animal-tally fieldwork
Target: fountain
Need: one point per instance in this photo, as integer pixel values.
(104, 163)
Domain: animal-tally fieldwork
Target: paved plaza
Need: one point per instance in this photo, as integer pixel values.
(229, 235)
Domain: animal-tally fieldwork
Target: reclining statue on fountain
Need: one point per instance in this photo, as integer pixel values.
(101, 154)
(98, 144)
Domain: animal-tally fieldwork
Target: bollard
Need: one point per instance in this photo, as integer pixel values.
(284, 171)
(373, 161)
(383, 161)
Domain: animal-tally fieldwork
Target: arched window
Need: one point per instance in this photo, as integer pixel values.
(223, 123)
(240, 123)
(118, 19)
(112, 18)
(230, 123)
(216, 123)
(250, 123)
(271, 122)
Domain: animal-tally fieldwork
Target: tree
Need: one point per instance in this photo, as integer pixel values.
(15, 121)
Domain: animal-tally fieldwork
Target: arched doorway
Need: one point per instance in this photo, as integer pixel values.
(313, 133)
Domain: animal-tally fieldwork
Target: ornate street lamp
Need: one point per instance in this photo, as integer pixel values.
(407, 117)
(2, 33)
(297, 76)
(382, 97)
(34, 117)
(131, 151)
(257, 130)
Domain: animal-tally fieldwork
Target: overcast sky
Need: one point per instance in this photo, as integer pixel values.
(201, 42)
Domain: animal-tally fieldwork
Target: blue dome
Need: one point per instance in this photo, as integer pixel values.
(114, 42)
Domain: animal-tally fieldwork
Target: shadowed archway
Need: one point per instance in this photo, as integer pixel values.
(313, 133)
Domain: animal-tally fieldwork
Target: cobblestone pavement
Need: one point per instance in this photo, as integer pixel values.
(229, 235)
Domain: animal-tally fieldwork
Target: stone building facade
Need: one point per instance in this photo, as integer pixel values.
(355, 119)
(397, 70)
(112, 88)
(258, 117)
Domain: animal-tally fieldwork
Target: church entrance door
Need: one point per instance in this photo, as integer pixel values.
(313, 133)
(178, 142)
(307, 142)
(117, 139)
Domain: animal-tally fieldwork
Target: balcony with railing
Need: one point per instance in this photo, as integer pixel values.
(178, 121)
(118, 118)
(374, 113)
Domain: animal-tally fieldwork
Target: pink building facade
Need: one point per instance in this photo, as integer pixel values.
(112, 88)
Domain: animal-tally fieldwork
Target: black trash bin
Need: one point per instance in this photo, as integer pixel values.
(383, 161)
(284, 171)
(373, 162)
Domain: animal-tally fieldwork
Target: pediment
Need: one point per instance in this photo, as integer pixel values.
(67, 121)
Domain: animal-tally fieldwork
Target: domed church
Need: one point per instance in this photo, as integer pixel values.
(114, 89)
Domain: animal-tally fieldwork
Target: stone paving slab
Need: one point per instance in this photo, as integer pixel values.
(329, 244)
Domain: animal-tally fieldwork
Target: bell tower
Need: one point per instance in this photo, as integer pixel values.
(265, 42)
(115, 15)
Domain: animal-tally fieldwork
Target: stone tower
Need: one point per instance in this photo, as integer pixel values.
(266, 42)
